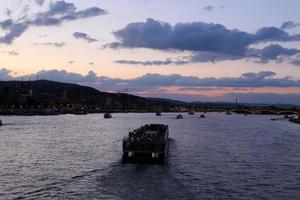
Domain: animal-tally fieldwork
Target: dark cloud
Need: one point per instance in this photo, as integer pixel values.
(54, 44)
(208, 42)
(208, 8)
(271, 34)
(264, 55)
(84, 36)
(289, 25)
(271, 52)
(61, 11)
(57, 13)
(198, 36)
(6, 24)
(40, 2)
(15, 30)
(212, 57)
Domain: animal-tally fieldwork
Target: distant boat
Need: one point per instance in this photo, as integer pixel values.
(1, 123)
(158, 113)
(49, 111)
(107, 116)
(79, 112)
(228, 113)
(286, 117)
(202, 116)
(179, 117)
(191, 112)
(295, 119)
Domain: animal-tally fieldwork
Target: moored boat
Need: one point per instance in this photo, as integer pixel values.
(228, 113)
(147, 144)
(202, 116)
(179, 117)
(158, 113)
(107, 116)
(295, 119)
(191, 112)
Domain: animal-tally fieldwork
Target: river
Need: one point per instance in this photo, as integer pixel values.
(218, 157)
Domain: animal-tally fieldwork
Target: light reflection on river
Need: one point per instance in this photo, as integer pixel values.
(219, 157)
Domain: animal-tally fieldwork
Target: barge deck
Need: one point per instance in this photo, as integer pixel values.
(147, 144)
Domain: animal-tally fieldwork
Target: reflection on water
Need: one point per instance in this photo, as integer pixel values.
(219, 157)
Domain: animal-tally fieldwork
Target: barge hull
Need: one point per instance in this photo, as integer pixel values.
(148, 144)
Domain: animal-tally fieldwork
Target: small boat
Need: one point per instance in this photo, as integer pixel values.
(228, 113)
(179, 117)
(158, 113)
(286, 117)
(48, 111)
(191, 112)
(202, 116)
(1, 123)
(78, 112)
(147, 144)
(107, 116)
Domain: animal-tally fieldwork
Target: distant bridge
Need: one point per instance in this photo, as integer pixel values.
(252, 111)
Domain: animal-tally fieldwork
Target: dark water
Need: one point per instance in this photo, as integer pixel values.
(219, 157)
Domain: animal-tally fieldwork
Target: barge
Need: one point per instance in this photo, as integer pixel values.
(147, 144)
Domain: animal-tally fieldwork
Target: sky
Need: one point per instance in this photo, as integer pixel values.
(191, 50)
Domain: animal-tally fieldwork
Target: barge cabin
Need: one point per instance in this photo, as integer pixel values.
(147, 144)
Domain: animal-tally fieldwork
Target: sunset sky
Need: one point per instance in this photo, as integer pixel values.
(209, 50)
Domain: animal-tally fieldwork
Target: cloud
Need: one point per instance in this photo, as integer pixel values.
(57, 13)
(15, 30)
(156, 85)
(40, 2)
(84, 36)
(5, 74)
(251, 79)
(54, 44)
(11, 53)
(145, 63)
(6, 24)
(289, 25)
(272, 34)
(61, 11)
(271, 52)
(197, 36)
(208, 8)
(208, 42)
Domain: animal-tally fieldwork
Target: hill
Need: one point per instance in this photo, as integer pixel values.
(50, 93)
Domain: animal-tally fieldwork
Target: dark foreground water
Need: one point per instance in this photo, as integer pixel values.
(219, 157)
